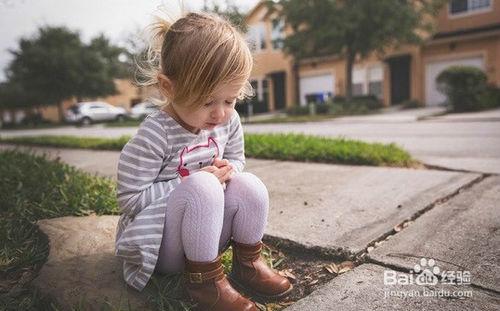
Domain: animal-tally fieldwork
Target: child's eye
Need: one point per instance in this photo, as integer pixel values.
(229, 102)
(209, 104)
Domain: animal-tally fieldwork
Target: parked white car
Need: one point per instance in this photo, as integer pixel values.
(142, 110)
(87, 112)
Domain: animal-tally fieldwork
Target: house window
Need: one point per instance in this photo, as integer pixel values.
(257, 37)
(277, 33)
(357, 89)
(265, 92)
(368, 81)
(260, 101)
(464, 6)
(358, 81)
(375, 78)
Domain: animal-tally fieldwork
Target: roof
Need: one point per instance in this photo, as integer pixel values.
(255, 9)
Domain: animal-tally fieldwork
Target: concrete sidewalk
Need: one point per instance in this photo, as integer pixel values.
(344, 209)
(395, 115)
(481, 116)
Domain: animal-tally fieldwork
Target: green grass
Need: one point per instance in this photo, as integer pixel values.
(289, 147)
(34, 188)
(298, 147)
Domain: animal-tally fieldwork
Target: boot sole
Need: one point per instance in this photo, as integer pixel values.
(233, 280)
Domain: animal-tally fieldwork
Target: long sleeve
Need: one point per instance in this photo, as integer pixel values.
(235, 147)
(139, 165)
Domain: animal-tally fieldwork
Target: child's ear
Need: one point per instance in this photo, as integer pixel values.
(166, 85)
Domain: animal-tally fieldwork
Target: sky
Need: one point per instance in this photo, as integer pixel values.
(117, 19)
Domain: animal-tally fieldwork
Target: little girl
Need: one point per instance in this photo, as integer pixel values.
(181, 187)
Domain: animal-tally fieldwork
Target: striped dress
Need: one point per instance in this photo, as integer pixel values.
(149, 168)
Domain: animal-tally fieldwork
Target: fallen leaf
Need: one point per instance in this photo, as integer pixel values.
(370, 248)
(286, 304)
(347, 264)
(313, 282)
(288, 274)
(261, 306)
(343, 270)
(332, 268)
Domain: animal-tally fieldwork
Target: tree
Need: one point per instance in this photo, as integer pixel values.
(55, 65)
(353, 28)
(231, 12)
(13, 96)
(113, 56)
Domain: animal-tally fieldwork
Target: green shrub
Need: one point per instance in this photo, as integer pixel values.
(298, 110)
(411, 104)
(322, 108)
(358, 104)
(463, 87)
(490, 97)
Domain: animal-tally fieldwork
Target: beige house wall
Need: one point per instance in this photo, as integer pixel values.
(126, 94)
(51, 113)
(447, 22)
(269, 60)
(486, 44)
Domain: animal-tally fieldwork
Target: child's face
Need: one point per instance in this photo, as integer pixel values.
(215, 111)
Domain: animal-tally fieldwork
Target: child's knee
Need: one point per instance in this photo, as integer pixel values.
(250, 185)
(205, 187)
(203, 180)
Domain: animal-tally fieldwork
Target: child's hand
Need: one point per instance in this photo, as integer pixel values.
(223, 174)
(220, 162)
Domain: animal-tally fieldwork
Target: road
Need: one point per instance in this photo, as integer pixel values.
(468, 142)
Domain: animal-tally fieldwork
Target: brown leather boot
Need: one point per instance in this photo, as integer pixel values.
(251, 272)
(209, 288)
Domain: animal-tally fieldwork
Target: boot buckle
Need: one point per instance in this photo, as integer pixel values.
(195, 278)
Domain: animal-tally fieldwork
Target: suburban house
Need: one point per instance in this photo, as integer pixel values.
(467, 33)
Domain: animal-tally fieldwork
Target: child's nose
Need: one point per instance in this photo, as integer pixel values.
(218, 113)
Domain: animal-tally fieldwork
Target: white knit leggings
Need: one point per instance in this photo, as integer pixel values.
(201, 217)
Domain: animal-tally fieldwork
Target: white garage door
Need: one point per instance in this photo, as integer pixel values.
(322, 84)
(432, 70)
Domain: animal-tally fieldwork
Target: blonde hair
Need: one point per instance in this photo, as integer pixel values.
(198, 53)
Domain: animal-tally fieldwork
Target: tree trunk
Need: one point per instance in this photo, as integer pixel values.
(296, 81)
(350, 55)
(60, 110)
